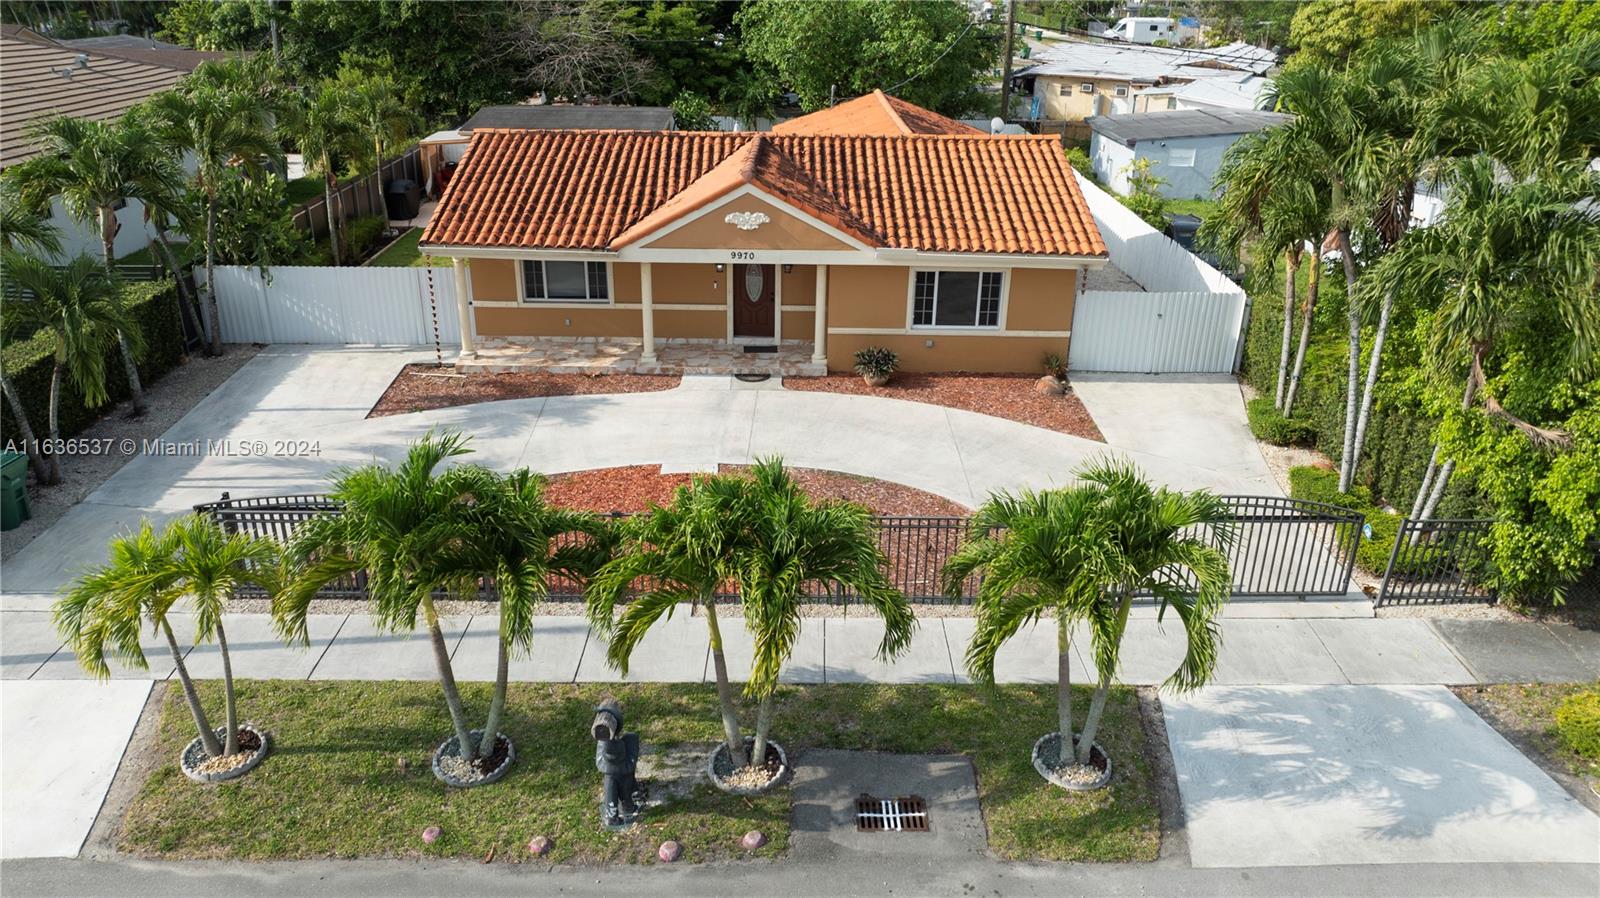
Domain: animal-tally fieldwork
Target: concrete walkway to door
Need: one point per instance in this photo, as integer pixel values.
(294, 415)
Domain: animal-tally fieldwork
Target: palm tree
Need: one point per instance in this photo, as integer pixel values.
(374, 105)
(1082, 554)
(683, 552)
(219, 128)
(149, 572)
(160, 189)
(1504, 249)
(82, 307)
(792, 541)
(23, 227)
(324, 131)
(94, 167)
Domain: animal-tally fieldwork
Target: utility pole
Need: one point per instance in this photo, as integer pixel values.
(1005, 71)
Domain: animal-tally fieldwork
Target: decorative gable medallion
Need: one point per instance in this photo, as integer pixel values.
(747, 221)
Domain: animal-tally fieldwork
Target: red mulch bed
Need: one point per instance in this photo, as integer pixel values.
(1008, 396)
(632, 489)
(421, 387)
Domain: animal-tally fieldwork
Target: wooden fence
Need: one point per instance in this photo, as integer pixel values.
(358, 197)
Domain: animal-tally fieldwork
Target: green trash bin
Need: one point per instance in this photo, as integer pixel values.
(13, 490)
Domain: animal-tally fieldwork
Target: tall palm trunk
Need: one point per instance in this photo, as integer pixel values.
(1291, 264)
(497, 702)
(758, 749)
(1371, 387)
(211, 275)
(30, 445)
(229, 709)
(1063, 683)
(719, 661)
(1436, 491)
(1097, 704)
(447, 679)
(186, 301)
(208, 736)
(377, 178)
(108, 245)
(1313, 283)
(53, 420)
(1352, 398)
(327, 200)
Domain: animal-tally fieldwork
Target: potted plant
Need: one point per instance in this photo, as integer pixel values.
(876, 364)
(1055, 374)
(149, 572)
(1081, 554)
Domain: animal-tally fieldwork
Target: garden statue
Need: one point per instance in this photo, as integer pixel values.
(616, 754)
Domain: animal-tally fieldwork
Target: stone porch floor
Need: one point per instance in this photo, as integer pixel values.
(620, 355)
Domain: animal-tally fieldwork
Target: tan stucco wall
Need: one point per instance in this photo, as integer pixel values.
(532, 321)
(494, 280)
(798, 326)
(692, 284)
(690, 324)
(1041, 299)
(625, 282)
(867, 296)
(709, 230)
(1019, 355)
(1077, 105)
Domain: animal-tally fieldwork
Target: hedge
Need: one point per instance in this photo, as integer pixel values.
(29, 363)
(1578, 723)
(1318, 485)
(1267, 424)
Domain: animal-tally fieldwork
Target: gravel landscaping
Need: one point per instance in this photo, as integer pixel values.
(419, 387)
(1009, 396)
(350, 775)
(169, 399)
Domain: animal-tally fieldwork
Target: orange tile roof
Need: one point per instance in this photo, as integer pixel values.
(586, 189)
(875, 113)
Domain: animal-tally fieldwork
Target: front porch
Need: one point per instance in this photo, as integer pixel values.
(621, 355)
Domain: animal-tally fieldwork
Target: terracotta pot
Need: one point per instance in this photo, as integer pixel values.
(876, 380)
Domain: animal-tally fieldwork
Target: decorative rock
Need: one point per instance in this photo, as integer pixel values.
(432, 834)
(669, 851)
(753, 839)
(539, 846)
(1049, 385)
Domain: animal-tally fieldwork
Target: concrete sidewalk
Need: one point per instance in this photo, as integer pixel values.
(1255, 652)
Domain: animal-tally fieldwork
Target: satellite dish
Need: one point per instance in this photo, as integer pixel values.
(996, 124)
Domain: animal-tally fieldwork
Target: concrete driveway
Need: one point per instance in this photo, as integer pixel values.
(293, 415)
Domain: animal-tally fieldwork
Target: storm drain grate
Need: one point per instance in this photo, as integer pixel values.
(891, 815)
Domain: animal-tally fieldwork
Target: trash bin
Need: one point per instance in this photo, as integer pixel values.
(403, 197)
(13, 490)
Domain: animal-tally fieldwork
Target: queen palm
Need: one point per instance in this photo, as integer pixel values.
(1504, 250)
(324, 131)
(81, 306)
(24, 228)
(93, 167)
(148, 573)
(220, 129)
(374, 105)
(1081, 554)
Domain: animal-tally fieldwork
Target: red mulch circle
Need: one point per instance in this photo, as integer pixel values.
(1009, 396)
(421, 387)
(631, 489)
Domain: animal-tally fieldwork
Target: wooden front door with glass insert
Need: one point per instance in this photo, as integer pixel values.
(755, 301)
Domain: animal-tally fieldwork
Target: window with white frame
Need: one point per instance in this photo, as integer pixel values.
(1180, 157)
(1086, 87)
(1122, 91)
(547, 281)
(956, 299)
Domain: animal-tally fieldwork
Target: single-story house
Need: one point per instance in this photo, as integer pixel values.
(1185, 146)
(1073, 80)
(41, 77)
(444, 147)
(1244, 91)
(958, 250)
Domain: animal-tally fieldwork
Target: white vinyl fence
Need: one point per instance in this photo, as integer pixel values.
(367, 305)
(1192, 320)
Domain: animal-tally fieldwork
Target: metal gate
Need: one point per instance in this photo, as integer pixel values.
(1156, 333)
(1438, 562)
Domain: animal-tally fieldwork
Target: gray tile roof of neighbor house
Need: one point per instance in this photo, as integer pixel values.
(571, 118)
(1130, 128)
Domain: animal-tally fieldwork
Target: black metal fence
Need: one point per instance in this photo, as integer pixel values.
(1283, 547)
(1437, 562)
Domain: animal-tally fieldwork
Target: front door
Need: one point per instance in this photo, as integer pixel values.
(755, 306)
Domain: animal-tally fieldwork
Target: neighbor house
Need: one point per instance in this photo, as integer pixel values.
(956, 249)
(41, 77)
(1184, 147)
(1073, 80)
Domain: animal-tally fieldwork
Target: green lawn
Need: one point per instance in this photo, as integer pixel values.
(150, 256)
(348, 775)
(302, 189)
(402, 253)
(1198, 208)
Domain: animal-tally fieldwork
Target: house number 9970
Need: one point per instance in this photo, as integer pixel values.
(739, 256)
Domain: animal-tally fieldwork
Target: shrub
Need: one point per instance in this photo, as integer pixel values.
(362, 236)
(1578, 723)
(1267, 424)
(876, 361)
(154, 304)
(1055, 365)
(1079, 159)
(1318, 485)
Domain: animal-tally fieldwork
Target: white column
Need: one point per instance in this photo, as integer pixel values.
(647, 298)
(464, 308)
(819, 349)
